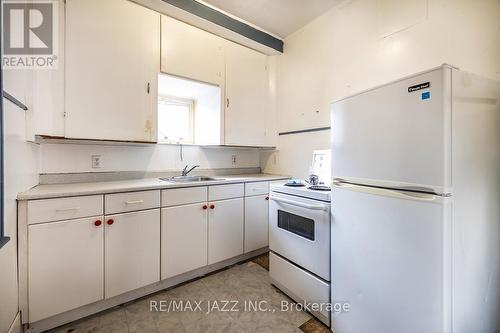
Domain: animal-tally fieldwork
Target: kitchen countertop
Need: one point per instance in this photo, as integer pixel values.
(77, 189)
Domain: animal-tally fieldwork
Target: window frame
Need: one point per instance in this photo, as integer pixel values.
(179, 101)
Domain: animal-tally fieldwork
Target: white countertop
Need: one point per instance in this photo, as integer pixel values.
(76, 189)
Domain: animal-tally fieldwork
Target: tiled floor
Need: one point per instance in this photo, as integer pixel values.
(219, 302)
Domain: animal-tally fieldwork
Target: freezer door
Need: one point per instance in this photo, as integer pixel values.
(387, 261)
(395, 136)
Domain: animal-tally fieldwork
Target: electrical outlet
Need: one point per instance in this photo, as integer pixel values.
(233, 159)
(96, 161)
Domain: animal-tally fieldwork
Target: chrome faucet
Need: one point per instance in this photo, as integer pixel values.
(185, 171)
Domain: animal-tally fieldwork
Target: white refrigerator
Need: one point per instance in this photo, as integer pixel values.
(416, 206)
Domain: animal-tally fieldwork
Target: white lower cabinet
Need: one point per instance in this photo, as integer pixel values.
(183, 239)
(132, 251)
(225, 229)
(256, 222)
(73, 260)
(65, 266)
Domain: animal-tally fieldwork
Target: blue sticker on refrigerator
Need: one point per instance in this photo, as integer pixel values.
(426, 95)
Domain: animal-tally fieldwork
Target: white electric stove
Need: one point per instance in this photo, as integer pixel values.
(299, 240)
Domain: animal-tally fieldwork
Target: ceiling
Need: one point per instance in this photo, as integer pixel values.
(279, 17)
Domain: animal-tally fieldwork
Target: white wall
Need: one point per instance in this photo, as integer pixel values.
(65, 158)
(344, 51)
(21, 173)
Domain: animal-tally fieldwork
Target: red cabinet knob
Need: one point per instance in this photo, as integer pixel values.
(110, 222)
(205, 206)
(212, 206)
(97, 223)
(267, 198)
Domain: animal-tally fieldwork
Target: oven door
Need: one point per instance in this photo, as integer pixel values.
(299, 231)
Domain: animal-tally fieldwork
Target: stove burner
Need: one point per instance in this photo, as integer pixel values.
(294, 185)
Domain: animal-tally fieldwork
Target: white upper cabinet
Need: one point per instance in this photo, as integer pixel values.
(41, 90)
(114, 51)
(112, 64)
(247, 102)
(191, 52)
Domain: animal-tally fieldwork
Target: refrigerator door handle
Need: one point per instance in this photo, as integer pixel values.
(383, 185)
(400, 194)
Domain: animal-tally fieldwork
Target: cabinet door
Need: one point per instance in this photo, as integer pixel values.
(247, 98)
(132, 251)
(225, 229)
(112, 63)
(256, 222)
(183, 239)
(191, 52)
(41, 90)
(65, 266)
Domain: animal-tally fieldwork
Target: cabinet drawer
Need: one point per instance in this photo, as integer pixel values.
(183, 196)
(131, 201)
(299, 284)
(47, 210)
(221, 192)
(257, 188)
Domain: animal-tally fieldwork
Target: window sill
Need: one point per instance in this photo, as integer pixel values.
(3, 241)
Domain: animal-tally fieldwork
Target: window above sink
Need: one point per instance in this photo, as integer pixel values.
(189, 112)
(175, 120)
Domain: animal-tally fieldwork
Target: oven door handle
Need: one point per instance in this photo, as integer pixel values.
(300, 204)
